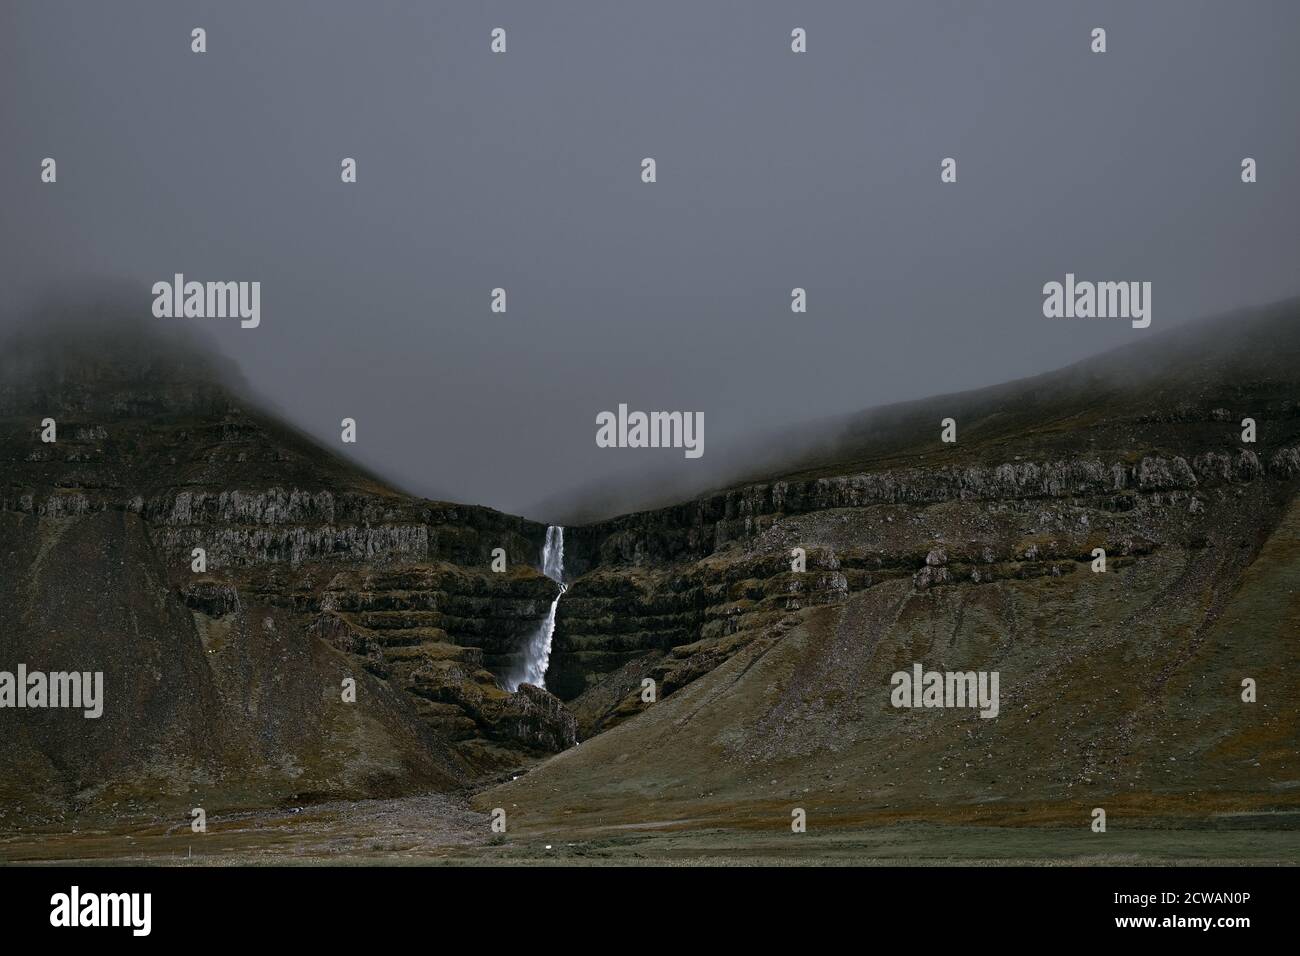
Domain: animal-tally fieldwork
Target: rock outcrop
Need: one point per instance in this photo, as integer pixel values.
(669, 594)
(276, 625)
(273, 623)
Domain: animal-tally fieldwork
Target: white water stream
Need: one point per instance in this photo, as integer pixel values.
(537, 652)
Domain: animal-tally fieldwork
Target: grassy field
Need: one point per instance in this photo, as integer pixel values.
(437, 830)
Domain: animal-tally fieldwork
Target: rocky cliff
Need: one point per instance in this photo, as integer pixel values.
(224, 683)
(771, 683)
(723, 656)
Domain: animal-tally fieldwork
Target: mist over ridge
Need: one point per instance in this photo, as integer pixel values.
(521, 171)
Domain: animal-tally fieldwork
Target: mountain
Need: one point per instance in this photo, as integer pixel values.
(709, 680)
(224, 687)
(1120, 689)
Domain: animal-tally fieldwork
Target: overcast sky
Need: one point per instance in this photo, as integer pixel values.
(522, 170)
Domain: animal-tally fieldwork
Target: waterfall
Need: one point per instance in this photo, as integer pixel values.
(537, 652)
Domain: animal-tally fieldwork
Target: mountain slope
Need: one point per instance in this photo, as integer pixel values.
(1120, 689)
(225, 686)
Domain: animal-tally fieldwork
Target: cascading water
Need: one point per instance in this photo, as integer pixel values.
(537, 652)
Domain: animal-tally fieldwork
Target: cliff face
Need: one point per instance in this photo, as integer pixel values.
(1121, 690)
(701, 663)
(978, 555)
(225, 686)
(689, 582)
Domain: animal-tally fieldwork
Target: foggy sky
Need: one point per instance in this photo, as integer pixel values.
(522, 170)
